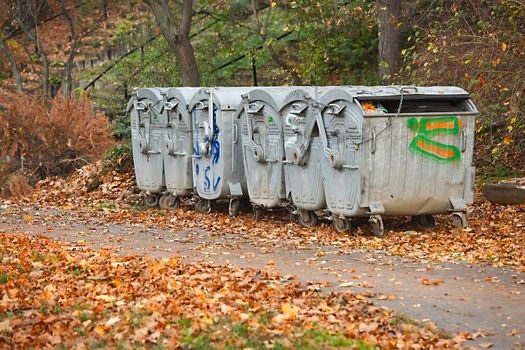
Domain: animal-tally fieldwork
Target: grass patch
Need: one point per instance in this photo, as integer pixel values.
(234, 335)
(85, 316)
(496, 174)
(4, 278)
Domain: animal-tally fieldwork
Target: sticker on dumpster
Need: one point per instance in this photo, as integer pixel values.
(290, 119)
(270, 119)
(425, 128)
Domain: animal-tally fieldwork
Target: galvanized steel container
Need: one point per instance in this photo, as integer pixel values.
(397, 151)
(177, 147)
(218, 171)
(147, 124)
(303, 153)
(262, 146)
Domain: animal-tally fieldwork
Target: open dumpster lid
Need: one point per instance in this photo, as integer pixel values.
(414, 100)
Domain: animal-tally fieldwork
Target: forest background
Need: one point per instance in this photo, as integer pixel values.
(67, 68)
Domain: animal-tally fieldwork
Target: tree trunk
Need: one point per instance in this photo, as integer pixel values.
(34, 38)
(388, 13)
(187, 62)
(177, 34)
(67, 73)
(12, 61)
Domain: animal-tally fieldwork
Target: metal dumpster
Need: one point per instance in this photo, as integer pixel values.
(147, 124)
(262, 146)
(397, 151)
(303, 153)
(177, 148)
(218, 172)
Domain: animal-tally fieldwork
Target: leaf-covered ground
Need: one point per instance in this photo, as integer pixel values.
(63, 296)
(496, 234)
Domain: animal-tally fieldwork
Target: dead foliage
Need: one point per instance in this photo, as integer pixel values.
(55, 294)
(496, 234)
(15, 186)
(478, 46)
(51, 139)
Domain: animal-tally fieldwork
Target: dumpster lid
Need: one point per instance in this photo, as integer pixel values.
(272, 96)
(155, 95)
(382, 100)
(228, 98)
(181, 94)
(305, 93)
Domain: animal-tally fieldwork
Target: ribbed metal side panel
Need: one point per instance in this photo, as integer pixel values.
(406, 182)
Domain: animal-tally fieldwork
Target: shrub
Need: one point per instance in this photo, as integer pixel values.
(53, 138)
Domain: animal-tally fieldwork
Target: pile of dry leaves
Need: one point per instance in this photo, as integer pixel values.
(496, 234)
(55, 294)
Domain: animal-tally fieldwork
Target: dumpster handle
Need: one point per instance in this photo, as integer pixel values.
(257, 150)
(144, 140)
(333, 156)
(463, 140)
(172, 141)
(299, 153)
(210, 131)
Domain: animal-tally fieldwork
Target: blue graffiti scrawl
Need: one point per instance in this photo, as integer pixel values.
(215, 145)
(210, 182)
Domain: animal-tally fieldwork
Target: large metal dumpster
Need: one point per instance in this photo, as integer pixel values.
(262, 146)
(218, 171)
(177, 147)
(303, 153)
(147, 124)
(397, 151)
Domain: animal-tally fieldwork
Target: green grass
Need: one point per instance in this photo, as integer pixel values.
(240, 335)
(495, 174)
(4, 278)
(85, 316)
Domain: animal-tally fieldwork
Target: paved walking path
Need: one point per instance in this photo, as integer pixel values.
(486, 301)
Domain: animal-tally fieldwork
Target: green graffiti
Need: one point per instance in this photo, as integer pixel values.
(270, 119)
(435, 150)
(435, 126)
(427, 127)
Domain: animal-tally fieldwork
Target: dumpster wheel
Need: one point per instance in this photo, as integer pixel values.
(172, 202)
(459, 220)
(203, 206)
(257, 212)
(307, 218)
(341, 224)
(233, 208)
(376, 224)
(162, 201)
(292, 216)
(151, 200)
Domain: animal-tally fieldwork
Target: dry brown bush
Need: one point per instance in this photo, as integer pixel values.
(50, 139)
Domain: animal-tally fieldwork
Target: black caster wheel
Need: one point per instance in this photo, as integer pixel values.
(151, 200)
(172, 202)
(233, 208)
(257, 212)
(376, 224)
(307, 218)
(203, 206)
(163, 201)
(341, 224)
(459, 220)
